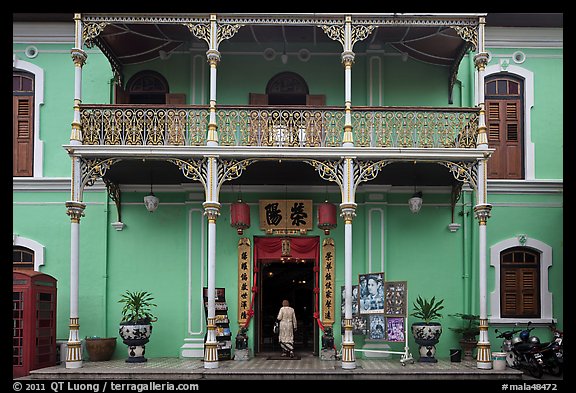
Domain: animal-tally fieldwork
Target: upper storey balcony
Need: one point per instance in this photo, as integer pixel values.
(310, 126)
(397, 89)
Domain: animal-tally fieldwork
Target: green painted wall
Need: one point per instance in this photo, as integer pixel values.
(170, 244)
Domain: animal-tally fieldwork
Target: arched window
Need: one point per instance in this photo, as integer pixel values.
(147, 87)
(287, 88)
(22, 258)
(519, 283)
(521, 267)
(22, 123)
(504, 115)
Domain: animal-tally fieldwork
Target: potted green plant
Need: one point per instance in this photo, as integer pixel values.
(136, 324)
(427, 332)
(469, 329)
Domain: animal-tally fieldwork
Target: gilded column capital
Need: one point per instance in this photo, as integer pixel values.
(78, 57)
(482, 212)
(211, 210)
(348, 58)
(75, 210)
(213, 56)
(481, 60)
(348, 212)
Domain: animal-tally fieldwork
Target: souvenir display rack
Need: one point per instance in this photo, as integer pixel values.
(223, 334)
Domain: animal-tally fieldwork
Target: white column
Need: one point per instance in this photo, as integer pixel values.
(348, 208)
(212, 211)
(213, 59)
(482, 208)
(75, 208)
(347, 61)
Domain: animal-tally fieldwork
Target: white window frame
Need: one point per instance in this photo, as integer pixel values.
(37, 248)
(528, 79)
(545, 252)
(21, 65)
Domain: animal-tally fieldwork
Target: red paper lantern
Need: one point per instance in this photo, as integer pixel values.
(240, 216)
(326, 216)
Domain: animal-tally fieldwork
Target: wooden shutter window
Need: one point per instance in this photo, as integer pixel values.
(22, 139)
(519, 284)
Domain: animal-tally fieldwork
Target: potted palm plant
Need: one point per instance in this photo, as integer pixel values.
(136, 324)
(427, 332)
(469, 329)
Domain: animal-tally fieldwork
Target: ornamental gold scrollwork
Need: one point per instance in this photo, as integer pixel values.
(232, 169)
(462, 171)
(94, 169)
(226, 31)
(368, 170)
(360, 33)
(115, 194)
(196, 169)
(202, 31)
(91, 30)
(193, 169)
(329, 170)
(468, 34)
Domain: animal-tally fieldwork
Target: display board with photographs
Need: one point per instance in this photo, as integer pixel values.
(395, 298)
(359, 323)
(371, 293)
(379, 308)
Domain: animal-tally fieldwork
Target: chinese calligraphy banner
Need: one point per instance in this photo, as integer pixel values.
(286, 215)
(244, 298)
(328, 279)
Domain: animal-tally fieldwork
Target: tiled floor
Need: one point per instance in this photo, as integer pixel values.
(308, 367)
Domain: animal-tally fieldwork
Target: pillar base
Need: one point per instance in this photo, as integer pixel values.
(484, 365)
(349, 365)
(208, 364)
(74, 364)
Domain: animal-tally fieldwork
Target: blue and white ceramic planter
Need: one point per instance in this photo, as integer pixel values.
(135, 336)
(426, 336)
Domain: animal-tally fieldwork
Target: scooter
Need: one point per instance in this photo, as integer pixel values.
(558, 346)
(528, 353)
(507, 345)
(550, 355)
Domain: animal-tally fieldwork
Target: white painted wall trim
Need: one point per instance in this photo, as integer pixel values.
(38, 100)
(546, 315)
(39, 249)
(371, 224)
(528, 76)
(524, 37)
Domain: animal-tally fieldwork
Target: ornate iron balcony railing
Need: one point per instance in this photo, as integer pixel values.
(386, 127)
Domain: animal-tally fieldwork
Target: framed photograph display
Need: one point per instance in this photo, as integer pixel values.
(359, 325)
(395, 329)
(395, 298)
(354, 300)
(377, 327)
(371, 293)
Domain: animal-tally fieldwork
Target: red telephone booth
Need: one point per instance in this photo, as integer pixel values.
(34, 321)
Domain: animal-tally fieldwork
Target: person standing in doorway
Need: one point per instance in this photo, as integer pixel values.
(287, 318)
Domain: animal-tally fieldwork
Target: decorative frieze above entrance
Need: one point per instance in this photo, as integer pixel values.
(286, 216)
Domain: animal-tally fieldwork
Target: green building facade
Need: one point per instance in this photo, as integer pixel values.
(394, 114)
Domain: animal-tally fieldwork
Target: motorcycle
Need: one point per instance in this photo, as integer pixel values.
(550, 355)
(528, 355)
(507, 345)
(558, 346)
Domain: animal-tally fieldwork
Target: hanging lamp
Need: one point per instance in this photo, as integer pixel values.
(415, 203)
(326, 216)
(240, 216)
(151, 201)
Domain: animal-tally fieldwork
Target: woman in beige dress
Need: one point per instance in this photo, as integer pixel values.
(287, 318)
